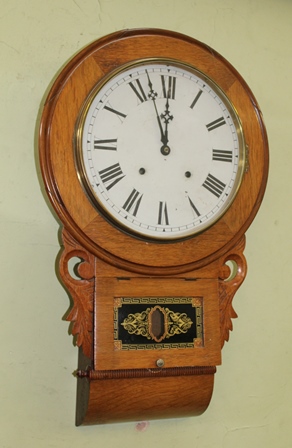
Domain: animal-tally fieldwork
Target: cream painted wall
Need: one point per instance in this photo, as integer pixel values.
(251, 405)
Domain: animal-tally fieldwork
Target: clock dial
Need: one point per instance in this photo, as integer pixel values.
(160, 150)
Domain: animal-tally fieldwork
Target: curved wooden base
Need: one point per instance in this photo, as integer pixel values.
(111, 399)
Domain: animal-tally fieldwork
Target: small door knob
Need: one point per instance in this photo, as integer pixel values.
(160, 363)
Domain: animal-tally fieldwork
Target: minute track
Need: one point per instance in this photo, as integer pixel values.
(164, 165)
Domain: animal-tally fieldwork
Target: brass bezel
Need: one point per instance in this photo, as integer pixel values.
(80, 168)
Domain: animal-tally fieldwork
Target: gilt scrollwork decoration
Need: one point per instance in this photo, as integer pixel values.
(142, 324)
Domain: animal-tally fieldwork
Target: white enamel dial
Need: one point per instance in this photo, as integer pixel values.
(160, 150)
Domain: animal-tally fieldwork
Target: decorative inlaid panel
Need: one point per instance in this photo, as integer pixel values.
(149, 323)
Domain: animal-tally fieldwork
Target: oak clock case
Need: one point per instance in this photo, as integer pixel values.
(155, 157)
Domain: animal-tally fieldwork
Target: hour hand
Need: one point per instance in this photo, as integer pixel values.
(166, 117)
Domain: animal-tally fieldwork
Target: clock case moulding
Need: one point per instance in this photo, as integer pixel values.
(124, 385)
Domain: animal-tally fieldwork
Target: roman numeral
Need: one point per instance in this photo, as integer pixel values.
(214, 185)
(221, 155)
(138, 89)
(107, 144)
(168, 86)
(111, 175)
(133, 202)
(215, 124)
(196, 99)
(194, 207)
(163, 214)
(114, 111)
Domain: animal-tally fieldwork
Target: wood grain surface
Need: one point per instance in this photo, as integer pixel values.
(124, 385)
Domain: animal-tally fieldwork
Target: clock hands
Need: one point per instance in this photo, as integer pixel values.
(165, 150)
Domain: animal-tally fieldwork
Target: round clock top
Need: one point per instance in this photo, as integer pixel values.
(151, 144)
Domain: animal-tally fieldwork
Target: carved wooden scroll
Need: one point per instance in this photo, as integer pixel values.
(81, 290)
(229, 282)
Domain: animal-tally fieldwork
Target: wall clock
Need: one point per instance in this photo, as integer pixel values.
(155, 157)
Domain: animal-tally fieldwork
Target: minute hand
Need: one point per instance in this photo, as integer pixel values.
(153, 95)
